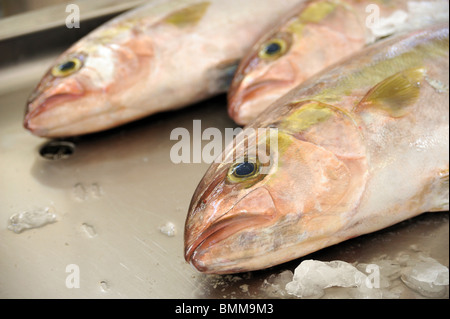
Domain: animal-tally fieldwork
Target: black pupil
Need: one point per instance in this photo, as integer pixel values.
(244, 169)
(273, 48)
(66, 66)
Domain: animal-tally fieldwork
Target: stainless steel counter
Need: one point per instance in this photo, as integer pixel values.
(111, 195)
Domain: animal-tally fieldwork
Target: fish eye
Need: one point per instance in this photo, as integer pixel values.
(273, 49)
(67, 67)
(243, 170)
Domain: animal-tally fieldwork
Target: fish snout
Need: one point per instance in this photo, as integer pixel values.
(255, 89)
(44, 99)
(247, 101)
(220, 246)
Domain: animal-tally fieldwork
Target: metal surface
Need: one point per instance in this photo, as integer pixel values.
(44, 14)
(112, 196)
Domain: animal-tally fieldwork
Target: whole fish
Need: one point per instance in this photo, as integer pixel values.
(158, 57)
(359, 147)
(317, 35)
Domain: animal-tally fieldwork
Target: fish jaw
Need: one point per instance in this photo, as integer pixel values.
(45, 98)
(242, 240)
(253, 90)
(229, 242)
(69, 107)
(65, 109)
(249, 101)
(74, 116)
(65, 119)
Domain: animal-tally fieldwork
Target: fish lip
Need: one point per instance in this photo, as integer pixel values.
(219, 231)
(45, 105)
(240, 95)
(226, 226)
(49, 102)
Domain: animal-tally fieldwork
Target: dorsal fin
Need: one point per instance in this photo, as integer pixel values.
(187, 16)
(395, 93)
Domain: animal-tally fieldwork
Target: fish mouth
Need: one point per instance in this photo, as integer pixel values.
(259, 95)
(37, 107)
(201, 251)
(217, 233)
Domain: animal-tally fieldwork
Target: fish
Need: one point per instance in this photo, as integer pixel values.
(356, 148)
(158, 57)
(315, 36)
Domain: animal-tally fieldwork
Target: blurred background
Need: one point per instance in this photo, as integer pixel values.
(12, 7)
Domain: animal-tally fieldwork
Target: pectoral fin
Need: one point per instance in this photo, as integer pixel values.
(395, 93)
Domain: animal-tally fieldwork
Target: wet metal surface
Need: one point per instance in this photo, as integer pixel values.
(120, 206)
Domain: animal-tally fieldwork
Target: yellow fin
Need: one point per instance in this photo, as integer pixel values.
(310, 114)
(313, 13)
(317, 11)
(395, 93)
(188, 16)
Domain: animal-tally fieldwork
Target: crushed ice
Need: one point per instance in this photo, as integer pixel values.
(168, 229)
(426, 276)
(312, 277)
(384, 278)
(31, 219)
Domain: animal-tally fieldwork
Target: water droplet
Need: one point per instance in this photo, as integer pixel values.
(95, 190)
(79, 192)
(31, 219)
(89, 230)
(168, 229)
(104, 286)
(83, 192)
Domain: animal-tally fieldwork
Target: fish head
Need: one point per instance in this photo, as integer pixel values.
(82, 92)
(272, 204)
(264, 74)
(314, 37)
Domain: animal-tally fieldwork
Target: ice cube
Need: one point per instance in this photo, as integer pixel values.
(312, 277)
(426, 276)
